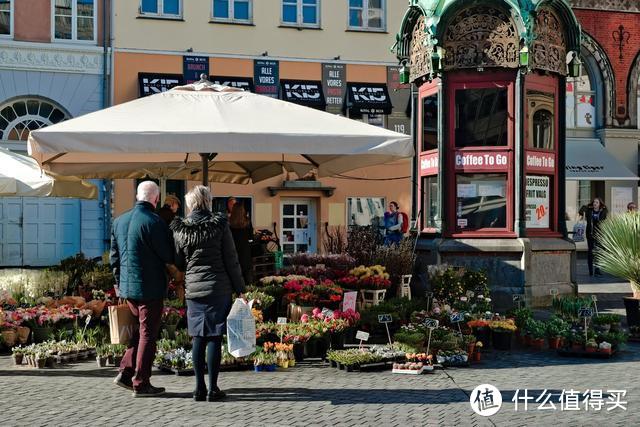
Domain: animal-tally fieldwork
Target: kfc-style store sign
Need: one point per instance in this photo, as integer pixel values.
(479, 161)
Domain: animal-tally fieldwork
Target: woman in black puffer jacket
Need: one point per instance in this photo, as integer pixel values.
(206, 253)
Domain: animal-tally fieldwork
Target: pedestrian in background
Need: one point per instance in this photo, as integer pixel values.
(206, 252)
(169, 210)
(141, 252)
(393, 224)
(594, 214)
(632, 207)
(242, 232)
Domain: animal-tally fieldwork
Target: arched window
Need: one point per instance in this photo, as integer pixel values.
(20, 116)
(543, 130)
(581, 101)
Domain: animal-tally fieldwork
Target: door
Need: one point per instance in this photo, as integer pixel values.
(94, 232)
(10, 231)
(298, 226)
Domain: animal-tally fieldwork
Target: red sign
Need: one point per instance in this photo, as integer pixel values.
(429, 164)
(541, 162)
(479, 161)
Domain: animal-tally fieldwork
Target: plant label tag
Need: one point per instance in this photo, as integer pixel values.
(430, 323)
(585, 312)
(457, 317)
(282, 320)
(594, 298)
(362, 336)
(87, 320)
(327, 313)
(384, 318)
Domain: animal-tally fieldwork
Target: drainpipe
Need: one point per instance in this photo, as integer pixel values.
(105, 56)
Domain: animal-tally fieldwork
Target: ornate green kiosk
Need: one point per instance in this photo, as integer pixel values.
(489, 78)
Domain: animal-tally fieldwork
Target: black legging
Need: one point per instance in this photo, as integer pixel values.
(213, 347)
(592, 246)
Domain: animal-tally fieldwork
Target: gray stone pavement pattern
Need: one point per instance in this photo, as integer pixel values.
(315, 394)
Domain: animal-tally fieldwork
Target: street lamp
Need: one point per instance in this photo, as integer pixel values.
(404, 73)
(574, 66)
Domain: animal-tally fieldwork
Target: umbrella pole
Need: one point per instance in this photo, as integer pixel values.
(163, 189)
(205, 169)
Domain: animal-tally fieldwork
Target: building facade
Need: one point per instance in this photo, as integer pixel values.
(53, 66)
(330, 55)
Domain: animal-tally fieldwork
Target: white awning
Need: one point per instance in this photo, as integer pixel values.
(589, 160)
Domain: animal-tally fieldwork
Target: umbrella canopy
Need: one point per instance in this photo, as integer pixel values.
(246, 137)
(21, 176)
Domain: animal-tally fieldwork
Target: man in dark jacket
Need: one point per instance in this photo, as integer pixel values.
(141, 252)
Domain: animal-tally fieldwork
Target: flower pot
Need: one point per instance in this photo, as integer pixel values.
(117, 360)
(632, 305)
(23, 334)
(41, 334)
(577, 348)
(554, 343)
(41, 363)
(258, 368)
(537, 343)
(483, 335)
(270, 368)
(110, 359)
(502, 340)
(605, 350)
(471, 348)
(292, 363)
(316, 348)
(101, 361)
(591, 349)
(477, 356)
(298, 352)
(10, 337)
(284, 364)
(17, 359)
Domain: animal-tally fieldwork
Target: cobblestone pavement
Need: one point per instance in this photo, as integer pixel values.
(314, 394)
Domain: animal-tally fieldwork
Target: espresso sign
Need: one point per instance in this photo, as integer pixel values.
(266, 77)
(334, 83)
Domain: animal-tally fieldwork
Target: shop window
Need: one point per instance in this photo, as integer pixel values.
(481, 117)
(21, 116)
(430, 202)
(580, 101)
(538, 201)
(367, 14)
(430, 122)
(74, 20)
(481, 201)
(302, 13)
(161, 8)
(6, 17)
(365, 211)
(232, 10)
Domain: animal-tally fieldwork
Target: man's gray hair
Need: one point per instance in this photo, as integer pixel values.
(148, 191)
(198, 198)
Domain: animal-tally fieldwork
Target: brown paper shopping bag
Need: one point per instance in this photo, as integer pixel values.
(122, 324)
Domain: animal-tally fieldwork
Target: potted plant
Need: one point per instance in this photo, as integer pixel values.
(591, 346)
(502, 331)
(601, 323)
(618, 244)
(604, 347)
(477, 354)
(470, 343)
(265, 362)
(101, 356)
(555, 328)
(521, 316)
(41, 360)
(18, 355)
(537, 332)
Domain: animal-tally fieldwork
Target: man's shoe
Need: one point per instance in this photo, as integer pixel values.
(149, 391)
(200, 396)
(124, 382)
(216, 395)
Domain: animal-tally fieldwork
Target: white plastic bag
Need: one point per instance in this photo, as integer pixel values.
(241, 329)
(579, 231)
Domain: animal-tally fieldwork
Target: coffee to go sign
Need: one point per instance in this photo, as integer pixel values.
(481, 161)
(541, 162)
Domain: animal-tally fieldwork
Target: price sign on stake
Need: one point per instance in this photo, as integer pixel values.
(386, 319)
(586, 313)
(362, 336)
(86, 323)
(430, 324)
(429, 299)
(281, 321)
(457, 318)
(594, 298)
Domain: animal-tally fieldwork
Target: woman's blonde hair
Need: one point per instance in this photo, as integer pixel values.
(238, 217)
(198, 198)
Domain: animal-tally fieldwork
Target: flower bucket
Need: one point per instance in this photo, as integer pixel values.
(41, 363)
(537, 343)
(502, 340)
(554, 343)
(270, 368)
(471, 347)
(483, 335)
(41, 334)
(591, 349)
(23, 334)
(477, 356)
(10, 337)
(17, 359)
(101, 361)
(258, 368)
(298, 352)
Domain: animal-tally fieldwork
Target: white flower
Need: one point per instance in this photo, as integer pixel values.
(463, 299)
(487, 299)
(480, 296)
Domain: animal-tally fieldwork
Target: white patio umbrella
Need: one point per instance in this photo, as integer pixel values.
(21, 176)
(203, 128)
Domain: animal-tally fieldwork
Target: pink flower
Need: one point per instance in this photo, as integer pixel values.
(304, 318)
(316, 311)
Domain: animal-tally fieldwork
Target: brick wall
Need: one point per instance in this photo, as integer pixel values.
(601, 25)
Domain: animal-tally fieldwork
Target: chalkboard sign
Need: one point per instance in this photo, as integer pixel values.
(457, 317)
(384, 318)
(430, 323)
(585, 312)
(362, 336)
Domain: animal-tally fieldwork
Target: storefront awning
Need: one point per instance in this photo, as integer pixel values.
(369, 98)
(589, 160)
(304, 92)
(244, 83)
(152, 83)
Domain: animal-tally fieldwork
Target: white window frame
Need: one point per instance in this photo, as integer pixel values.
(232, 4)
(365, 17)
(161, 14)
(11, 20)
(74, 24)
(300, 20)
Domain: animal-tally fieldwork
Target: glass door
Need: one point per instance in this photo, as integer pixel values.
(298, 226)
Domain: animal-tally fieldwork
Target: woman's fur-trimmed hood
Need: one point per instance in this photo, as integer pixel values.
(195, 230)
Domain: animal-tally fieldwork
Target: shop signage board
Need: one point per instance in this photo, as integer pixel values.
(400, 95)
(193, 67)
(476, 161)
(152, 83)
(266, 77)
(244, 83)
(537, 201)
(304, 92)
(334, 85)
(369, 98)
(429, 164)
(541, 162)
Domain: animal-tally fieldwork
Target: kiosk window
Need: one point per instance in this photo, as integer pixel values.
(481, 117)
(481, 201)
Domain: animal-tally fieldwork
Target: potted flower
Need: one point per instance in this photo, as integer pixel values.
(18, 355)
(470, 343)
(537, 332)
(555, 328)
(477, 355)
(480, 329)
(265, 362)
(591, 346)
(604, 347)
(502, 331)
(41, 359)
(101, 356)
(601, 323)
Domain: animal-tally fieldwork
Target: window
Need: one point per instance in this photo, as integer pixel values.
(481, 201)
(19, 117)
(161, 8)
(74, 20)
(430, 122)
(364, 211)
(481, 117)
(430, 202)
(232, 10)
(303, 13)
(6, 17)
(540, 110)
(581, 101)
(367, 14)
